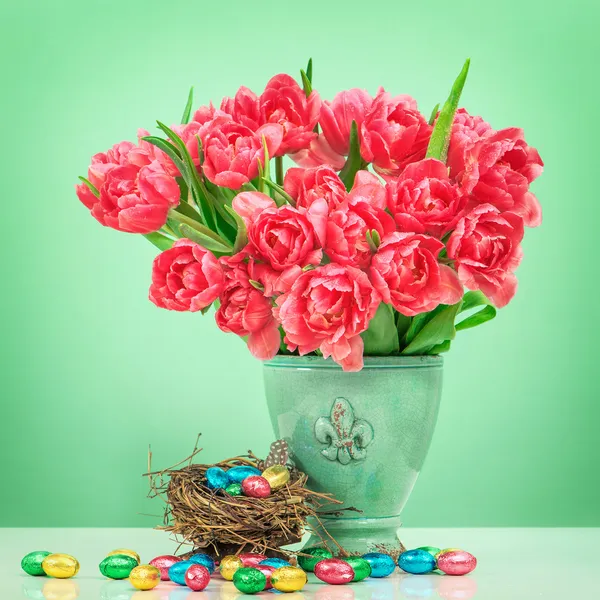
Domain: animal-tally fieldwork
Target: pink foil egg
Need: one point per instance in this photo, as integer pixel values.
(251, 559)
(267, 571)
(334, 571)
(256, 486)
(163, 564)
(197, 577)
(456, 562)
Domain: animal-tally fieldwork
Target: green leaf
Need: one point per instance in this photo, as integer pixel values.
(473, 300)
(381, 338)
(354, 161)
(402, 324)
(162, 242)
(176, 220)
(440, 348)
(281, 196)
(264, 170)
(204, 240)
(187, 111)
(306, 84)
(185, 209)
(440, 136)
(309, 70)
(434, 113)
(241, 238)
(90, 185)
(437, 331)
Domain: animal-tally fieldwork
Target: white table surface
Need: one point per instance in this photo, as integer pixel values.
(513, 564)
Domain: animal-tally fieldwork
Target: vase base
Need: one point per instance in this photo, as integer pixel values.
(359, 536)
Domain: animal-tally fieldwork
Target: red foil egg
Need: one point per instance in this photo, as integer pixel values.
(163, 564)
(457, 562)
(267, 571)
(197, 577)
(334, 571)
(251, 559)
(256, 486)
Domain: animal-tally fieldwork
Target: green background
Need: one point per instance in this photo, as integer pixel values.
(92, 372)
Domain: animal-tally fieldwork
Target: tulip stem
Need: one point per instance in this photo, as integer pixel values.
(279, 170)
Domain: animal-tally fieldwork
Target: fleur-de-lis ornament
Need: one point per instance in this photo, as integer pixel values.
(347, 436)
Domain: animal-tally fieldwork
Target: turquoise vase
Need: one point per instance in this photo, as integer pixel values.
(362, 437)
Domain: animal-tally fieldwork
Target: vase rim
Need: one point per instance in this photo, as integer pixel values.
(370, 362)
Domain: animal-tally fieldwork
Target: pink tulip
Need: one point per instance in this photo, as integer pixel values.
(423, 199)
(485, 246)
(232, 151)
(135, 193)
(328, 308)
(317, 154)
(406, 272)
(306, 186)
(394, 133)
(187, 277)
(245, 311)
(244, 108)
(284, 102)
(337, 116)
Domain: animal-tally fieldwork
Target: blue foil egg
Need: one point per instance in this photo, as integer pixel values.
(203, 559)
(216, 478)
(177, 571)
(275, 562)
(382, 565)
(416, 562)
(238, 474)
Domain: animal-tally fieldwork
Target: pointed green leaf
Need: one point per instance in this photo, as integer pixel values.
(90, 185)
(176, 219)
(354, 161)
(309, 69)
(381, 338)
(162, 242)
(437, 331)
(185, 209)
(434, 113)
(306, 84)
(440, 348)
(473, 299)
(203, 240)
(187, 111)
(281, 196)
(485, 314)
(440, 136)
(402, 324)
(242, 235)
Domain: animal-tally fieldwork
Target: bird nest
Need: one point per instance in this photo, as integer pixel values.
(213, 521)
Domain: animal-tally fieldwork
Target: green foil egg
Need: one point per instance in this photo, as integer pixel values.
(117, 566)
(234, 489)
(32, 562)
(362, 569)
(249, 580)
(307, 563)
(431, 549)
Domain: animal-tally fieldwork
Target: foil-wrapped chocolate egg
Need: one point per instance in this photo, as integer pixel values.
(334, 571)
(216, 478)
(277, 476)
(234, 489)
(144, 577)
(249, 580)
(126, 552)
(117, 566)
(256, 486)
(381, 564)
(164, 563)
(361, 568)
(203, 559)
(60, 566)
(32, 563)
(446, 550)
(251, 559)
(239, 473)
(433, 550)
(275, 562)
(267, 571)
(229, 565)
(456, 562)
(416, 562)
(197, 577)
(314, 556)
(288, 579)
(178, 570)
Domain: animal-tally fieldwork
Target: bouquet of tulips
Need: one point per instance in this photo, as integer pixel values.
(363, 247)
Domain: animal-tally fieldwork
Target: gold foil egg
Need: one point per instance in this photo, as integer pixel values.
(277, 476)
(126, 552)
(60, 566)
(60, 589)
(288, 579)
(144, 577)
(229, 565)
